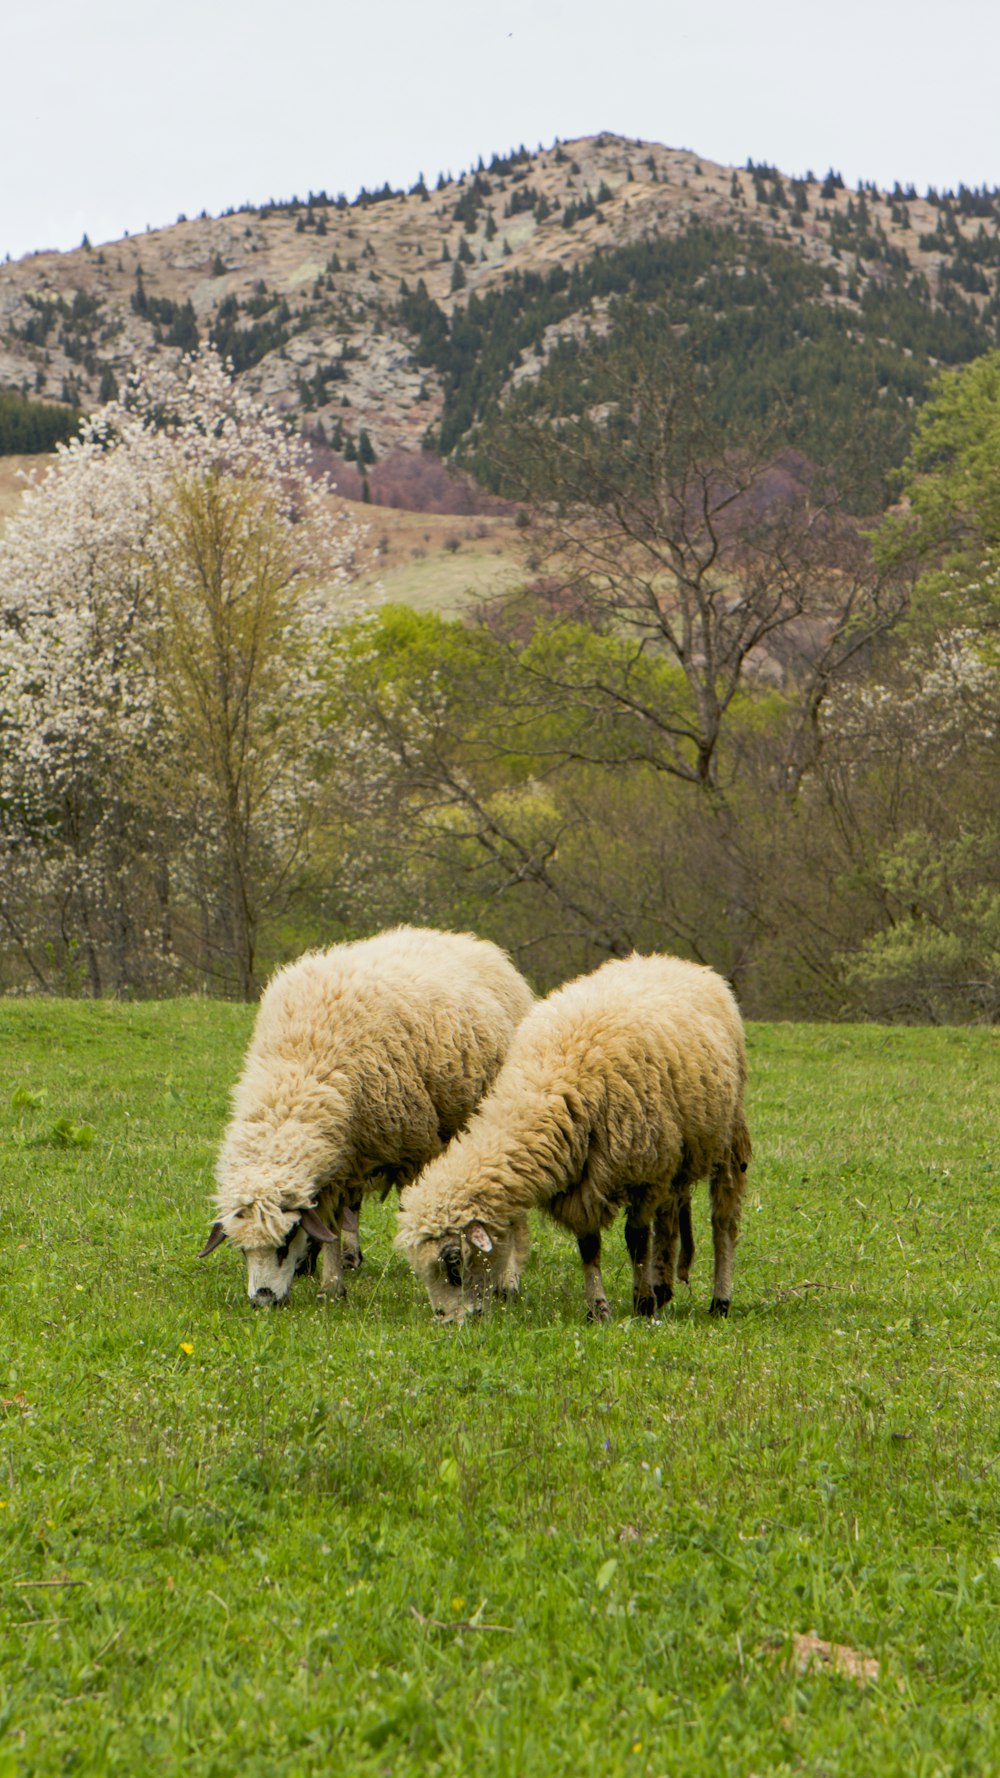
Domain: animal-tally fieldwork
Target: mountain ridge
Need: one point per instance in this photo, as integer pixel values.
(306, 296)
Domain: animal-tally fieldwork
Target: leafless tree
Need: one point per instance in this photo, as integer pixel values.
(733, 561)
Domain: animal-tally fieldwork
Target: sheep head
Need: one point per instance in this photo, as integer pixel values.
(278, 1245)
(457, 1269)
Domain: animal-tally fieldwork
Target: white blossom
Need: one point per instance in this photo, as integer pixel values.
(110, 782)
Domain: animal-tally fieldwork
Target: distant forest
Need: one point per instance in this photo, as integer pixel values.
(763, 324)
(28, 427)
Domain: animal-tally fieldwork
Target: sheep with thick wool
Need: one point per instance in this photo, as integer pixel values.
(365, 1060)
(619, 1091)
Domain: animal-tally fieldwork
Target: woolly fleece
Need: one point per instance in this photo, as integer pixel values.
(626, 1081)
(364, 1060)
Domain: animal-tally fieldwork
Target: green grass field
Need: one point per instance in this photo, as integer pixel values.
(344, 1539)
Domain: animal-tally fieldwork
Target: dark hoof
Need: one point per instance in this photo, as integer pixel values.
(719, 1305)
(352, 1261)
(644, 1305)
(601, 1311)
(663, 1294)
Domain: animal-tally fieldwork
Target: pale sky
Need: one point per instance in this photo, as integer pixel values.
(115, 114)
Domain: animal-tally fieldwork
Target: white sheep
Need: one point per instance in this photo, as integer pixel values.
(619, 1091)
(365, 1060)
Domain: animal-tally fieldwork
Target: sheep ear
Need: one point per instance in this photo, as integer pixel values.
(315, 1226)
(477, 1236)
(215, 1240)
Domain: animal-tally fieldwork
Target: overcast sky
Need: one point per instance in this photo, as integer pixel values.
(115, 114)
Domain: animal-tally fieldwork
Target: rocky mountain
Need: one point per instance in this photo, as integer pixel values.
(344, 314)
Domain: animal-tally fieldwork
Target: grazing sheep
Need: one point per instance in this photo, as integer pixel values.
(364, 1061)
(619, 1091)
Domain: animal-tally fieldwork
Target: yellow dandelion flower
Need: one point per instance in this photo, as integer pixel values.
(187, 1347)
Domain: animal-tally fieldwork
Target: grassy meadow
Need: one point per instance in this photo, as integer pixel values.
(342, 1538)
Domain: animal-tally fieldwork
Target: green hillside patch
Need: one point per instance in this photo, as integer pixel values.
(772, 331)
(343, 1538)
(28, 428)
(449, 581)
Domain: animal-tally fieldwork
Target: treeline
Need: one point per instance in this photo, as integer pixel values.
(29, 427)
(310, 208)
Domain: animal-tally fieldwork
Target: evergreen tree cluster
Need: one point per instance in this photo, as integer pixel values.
(980, 201)
(247, 332)
(504, 165)
(76, 324)
(578, 209)
(472, 199)
(245, 343)
(855, 231)
(752, 313)
(768, 185)
(32, 427)
(173, 323)
(522, 199)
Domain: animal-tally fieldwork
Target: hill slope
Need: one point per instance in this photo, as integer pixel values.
(310, 300)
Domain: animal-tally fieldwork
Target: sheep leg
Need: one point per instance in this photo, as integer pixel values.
(637, 1240)
(664, 1243)
(598, 1308)
(350, 1236)
(509, 1282)
(687, 1240)
(332, 1281)
(726, 1189)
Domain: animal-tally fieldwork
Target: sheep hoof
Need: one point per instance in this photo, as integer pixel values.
(719, 1306)
(644, 1305)
(352, 1260)
(330, 1293)
(599, 1311)
(663, 1294)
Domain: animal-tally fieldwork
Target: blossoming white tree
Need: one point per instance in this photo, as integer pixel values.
(909, 772)
(162, 591)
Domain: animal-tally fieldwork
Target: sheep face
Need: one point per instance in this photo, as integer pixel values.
(460, 1270)
(275, 1256)
(271, 1271)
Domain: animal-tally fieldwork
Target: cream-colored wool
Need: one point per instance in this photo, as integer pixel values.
(619, 1091)
(365, 1059)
